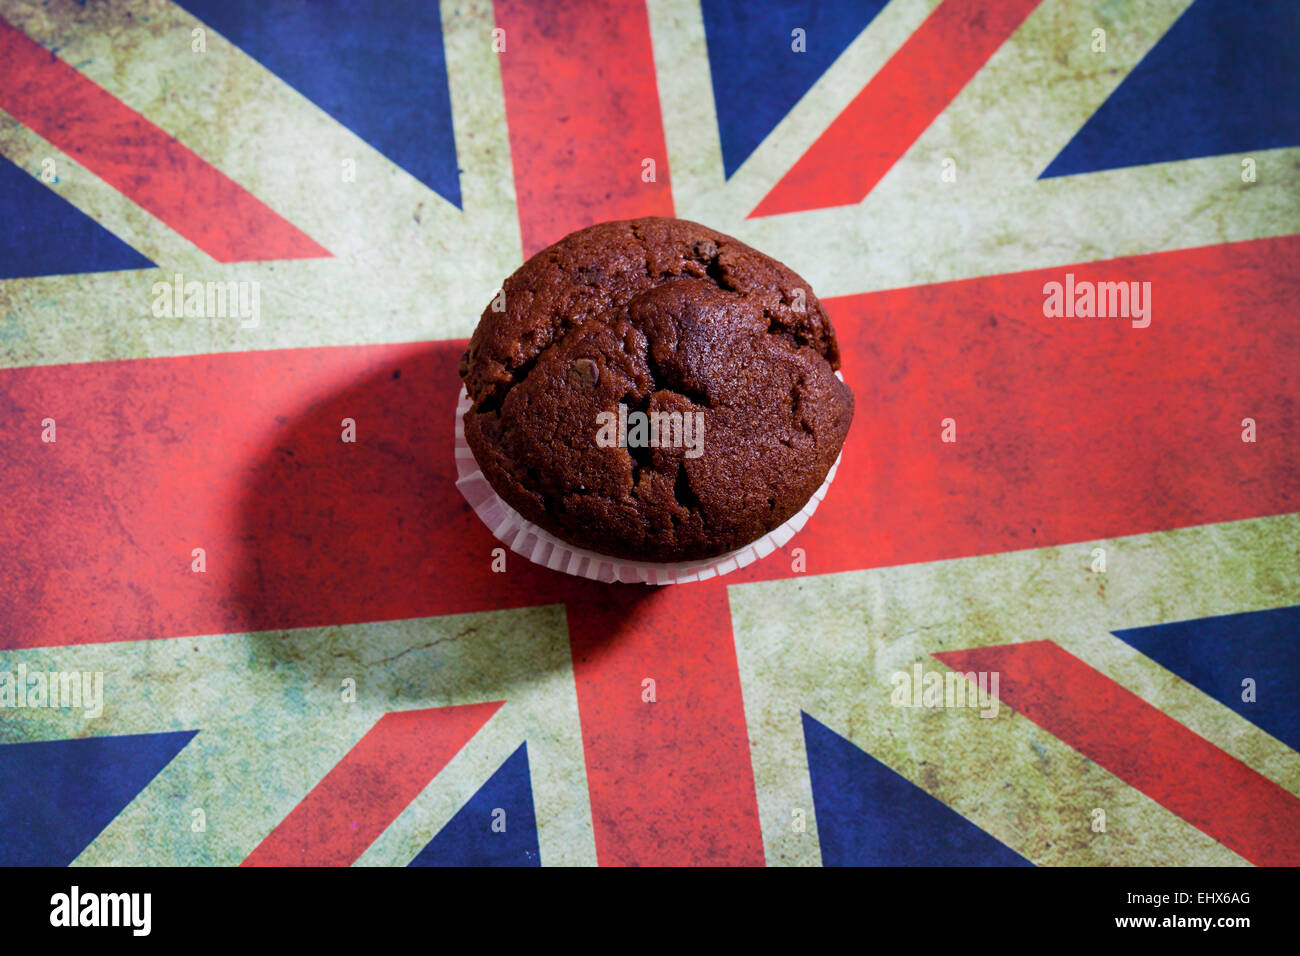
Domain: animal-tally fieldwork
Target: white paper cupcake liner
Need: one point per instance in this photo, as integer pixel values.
(541, 547)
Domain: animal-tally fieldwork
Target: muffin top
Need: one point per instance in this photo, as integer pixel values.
(654, 390)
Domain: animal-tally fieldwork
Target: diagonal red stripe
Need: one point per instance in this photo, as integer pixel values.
(1179, 769)
(140, 160)
(895, 107)
(1068, 430)
(583, 108)
(358, 799)
(670, 780)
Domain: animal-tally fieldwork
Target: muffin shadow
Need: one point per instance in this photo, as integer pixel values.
(350, 515)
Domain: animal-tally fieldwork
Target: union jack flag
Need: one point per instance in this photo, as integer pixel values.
(246, 617)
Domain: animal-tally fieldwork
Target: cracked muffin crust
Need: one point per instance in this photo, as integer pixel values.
(660, 316)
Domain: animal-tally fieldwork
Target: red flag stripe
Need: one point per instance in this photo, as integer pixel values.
(583, 108)
(670, 782)
(1067, 430)
(670, 779)
(366, 790)
(901, 101)
(140, 160)
(240, 455)
(1179, 769)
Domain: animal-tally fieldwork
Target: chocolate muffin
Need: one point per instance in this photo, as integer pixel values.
(654, 390)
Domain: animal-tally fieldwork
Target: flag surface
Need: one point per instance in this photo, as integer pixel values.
(1048, 614)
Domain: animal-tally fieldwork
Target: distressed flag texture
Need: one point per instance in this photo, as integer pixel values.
(307, 656)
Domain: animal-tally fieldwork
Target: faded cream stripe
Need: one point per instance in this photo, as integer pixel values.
(1002, 130)
(272, 723)
(829, 646)
(407, 265)
(690, 118)
(100, 201)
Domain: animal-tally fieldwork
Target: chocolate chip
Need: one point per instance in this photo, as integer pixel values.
(583, 373)
(706, 249)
